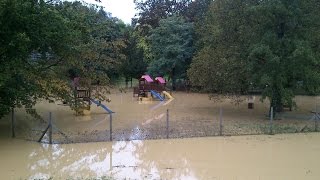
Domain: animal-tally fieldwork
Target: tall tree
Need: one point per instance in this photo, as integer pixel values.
(171, 45)
(285, 56)
(150, 12)
(219, 65)
(269, 45)
(196, 10)
(42, 41)
(30, 46)
(134, 65)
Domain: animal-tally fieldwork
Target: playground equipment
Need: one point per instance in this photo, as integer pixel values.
(98, 103)
(151, 88)
(157, 95)
(167, 94)
(85, 95)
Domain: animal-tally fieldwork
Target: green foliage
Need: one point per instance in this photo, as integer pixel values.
(134, 65)
(195, 11)
(42, 41)
(266, 45)
(152, 11)
(150, 15)
(219, 65)
(283, 57)
(171, 46)
(30, 45)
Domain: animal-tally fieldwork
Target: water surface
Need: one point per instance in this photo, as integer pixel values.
(293, 156)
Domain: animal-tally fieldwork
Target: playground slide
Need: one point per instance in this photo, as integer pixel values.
(156, 95)
(167, 94)
(101, 105)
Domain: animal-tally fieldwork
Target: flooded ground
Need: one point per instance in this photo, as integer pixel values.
(190, 115)
(278, 157)
(290, 156)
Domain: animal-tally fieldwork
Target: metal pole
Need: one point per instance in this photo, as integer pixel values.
(271, 119)
(111, 158)
(316, 124)
(167, 123)
(43, 133)
(316, 120)
(13, 134)
(220, 118)
(50, 128)
(110, 126)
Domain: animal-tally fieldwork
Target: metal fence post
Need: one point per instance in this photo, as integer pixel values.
(110, 126)
(271, 119)
(316, 124)
(316, 118)
(50, 127)
(220, 119)
(13, 134)
(167, 123)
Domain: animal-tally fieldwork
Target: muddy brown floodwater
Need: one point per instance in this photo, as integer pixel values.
(190, 115)
(262, 157)
(278, 157)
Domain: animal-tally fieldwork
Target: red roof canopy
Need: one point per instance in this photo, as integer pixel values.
(161, 80)
(147, 78)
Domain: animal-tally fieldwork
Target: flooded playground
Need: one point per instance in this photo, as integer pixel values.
(263, 157)
(187, 115)
(282, 156)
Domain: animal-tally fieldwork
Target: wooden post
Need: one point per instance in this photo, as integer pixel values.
(167, 123)
(220, 118)
(13, 134)
(110, 126)
(50, 128)
(271, 119)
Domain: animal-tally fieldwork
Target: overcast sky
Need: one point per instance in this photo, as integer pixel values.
(122, 9)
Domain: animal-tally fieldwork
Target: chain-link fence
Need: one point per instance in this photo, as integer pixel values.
(158, 120)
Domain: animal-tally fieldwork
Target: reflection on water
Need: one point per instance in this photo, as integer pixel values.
(248, 157)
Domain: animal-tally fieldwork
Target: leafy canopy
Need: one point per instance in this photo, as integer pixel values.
(271, 46)
(171, 46)
(45, 44)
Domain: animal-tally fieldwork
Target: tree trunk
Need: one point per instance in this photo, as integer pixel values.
(127, 82)
(173, 79)
(276, 103)
(131, 82)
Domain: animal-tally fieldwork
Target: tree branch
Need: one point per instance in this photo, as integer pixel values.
(51, 65)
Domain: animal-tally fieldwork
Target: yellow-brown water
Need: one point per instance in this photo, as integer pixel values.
(292, 156)
(190, 115)
(279, 157)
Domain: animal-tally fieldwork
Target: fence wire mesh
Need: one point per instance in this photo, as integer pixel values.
(188, 115)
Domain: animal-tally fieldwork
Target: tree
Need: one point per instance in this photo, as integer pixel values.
(285, 57)
(219, 65)
(134, 65)
(195, 11)
(268, 45)
(42, 41)
(152, 11)
(171, 46)
(30, 46)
